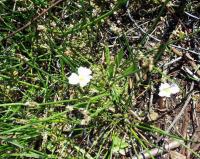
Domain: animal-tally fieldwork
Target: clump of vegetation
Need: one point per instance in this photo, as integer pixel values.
(99, 79)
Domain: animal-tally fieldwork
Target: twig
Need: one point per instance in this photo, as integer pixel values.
(182, 48)
(151, 98)
(135, 115)
(193, 16)
(194, 77)
(156, 39)
(184, 128)
(157, 151)
(195, 67)
(142, 30)
(180, 113)
(172, 61)
(14, 6)
(182, 110)
(191, 60)
(34, 19)
(196, 139)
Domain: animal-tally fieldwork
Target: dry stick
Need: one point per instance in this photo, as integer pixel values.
(156, 39)
(187, 70)
(157, 151)
(182, 110)
(195, 67)
(196, 138)
(184, 129)
(173, 46)
(34, 19)
(172, 145)
(191, 60)
(151, 98)
(182, 48)
(193, 16)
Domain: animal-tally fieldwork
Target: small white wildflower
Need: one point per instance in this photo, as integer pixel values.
(41, 28)
(82, 78)
(166, 89)
(53, 24)
(31, 104)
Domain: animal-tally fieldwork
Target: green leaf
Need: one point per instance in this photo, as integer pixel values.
(131, 69)
(107, 55)
(118, 144)
(119, 57)
(29, 155)
(110, 70)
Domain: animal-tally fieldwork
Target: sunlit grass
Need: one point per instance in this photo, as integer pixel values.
(44, 115)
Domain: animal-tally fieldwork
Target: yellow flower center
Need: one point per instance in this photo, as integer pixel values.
(81, 78)
(167, 90)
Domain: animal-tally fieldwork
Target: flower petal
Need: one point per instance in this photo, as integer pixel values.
(174, 89)
(165, 90)
(164, 94)
(164, 86)
(84, 71)
(84, 80)
(83, 83)
(73, 78)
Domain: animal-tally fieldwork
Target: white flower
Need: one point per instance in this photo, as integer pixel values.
(83, 77)
(41, 28)
(166, 89)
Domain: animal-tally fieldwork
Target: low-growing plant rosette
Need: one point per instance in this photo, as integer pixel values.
(81, 78)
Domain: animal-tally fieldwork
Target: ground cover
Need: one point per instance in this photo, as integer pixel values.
(99, 79)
